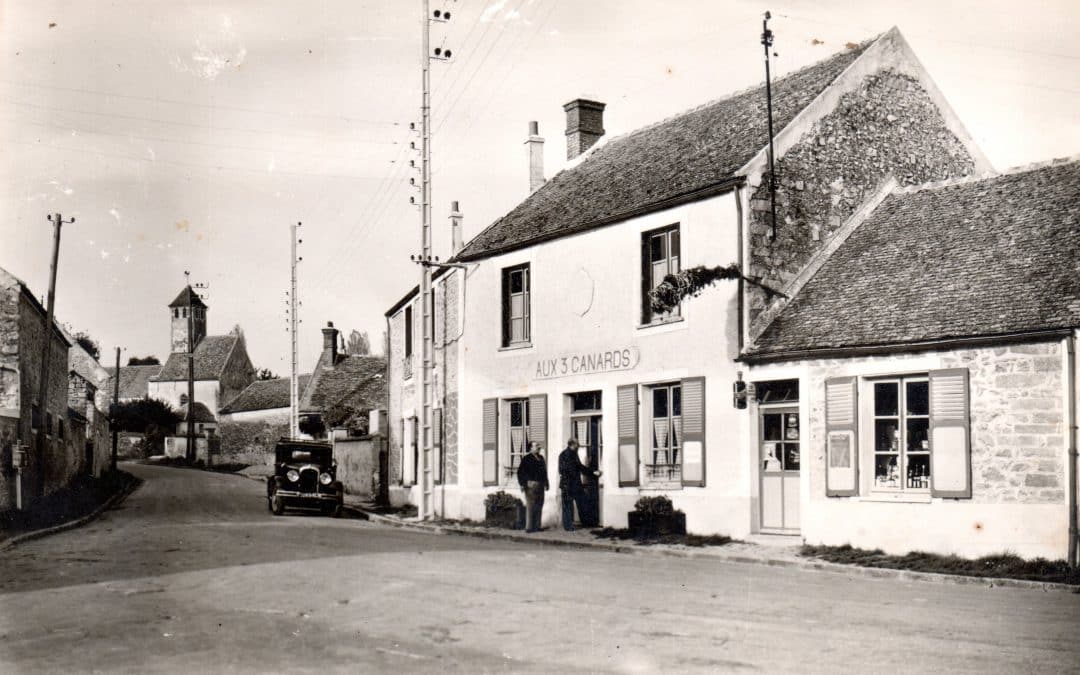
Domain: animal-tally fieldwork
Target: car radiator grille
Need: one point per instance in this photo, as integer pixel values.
(309, 480)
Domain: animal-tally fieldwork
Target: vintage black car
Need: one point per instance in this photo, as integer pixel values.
(305, 476)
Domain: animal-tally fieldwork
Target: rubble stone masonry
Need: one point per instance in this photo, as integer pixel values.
(889, 126)
(1017, 418)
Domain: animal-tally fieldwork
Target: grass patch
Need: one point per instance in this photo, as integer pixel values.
(696, 540)
(1001, 565)
(82, 497)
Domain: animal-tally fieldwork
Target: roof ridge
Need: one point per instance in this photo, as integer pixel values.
(987, 175)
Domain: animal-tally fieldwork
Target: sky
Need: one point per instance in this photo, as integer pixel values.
(189, 136)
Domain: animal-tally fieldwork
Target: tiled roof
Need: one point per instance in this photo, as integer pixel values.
(970, 258)
(187, 298)
(202, 413)
(133, 380)
(211, 354)
(359, 381)
(264, 395)
(696, 150)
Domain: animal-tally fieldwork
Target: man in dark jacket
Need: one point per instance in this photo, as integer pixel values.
(571, 471)
(533, 478)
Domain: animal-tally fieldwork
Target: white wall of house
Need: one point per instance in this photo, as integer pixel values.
(586, 299)
(1019, 436)
(272, 415)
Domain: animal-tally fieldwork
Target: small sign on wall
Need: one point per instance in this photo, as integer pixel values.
(588, 363)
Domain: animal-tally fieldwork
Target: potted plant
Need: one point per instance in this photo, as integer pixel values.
(655, 516)
(502, 509)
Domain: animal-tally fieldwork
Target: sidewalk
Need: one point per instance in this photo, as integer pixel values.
(773, 551)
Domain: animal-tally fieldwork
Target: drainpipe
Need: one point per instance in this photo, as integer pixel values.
(1070, 377)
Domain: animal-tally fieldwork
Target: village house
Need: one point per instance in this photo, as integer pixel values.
(26, 472)
(88, 399)
(342, 386)
(547, 331)
(933, 349)
(134, 381)
(263, 401)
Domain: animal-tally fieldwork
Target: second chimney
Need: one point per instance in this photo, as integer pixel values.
(455, 228)
(329, 344)
(536, 157)
(584, 125)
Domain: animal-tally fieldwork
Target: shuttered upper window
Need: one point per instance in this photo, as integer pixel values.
(515, 306)
(659, 258)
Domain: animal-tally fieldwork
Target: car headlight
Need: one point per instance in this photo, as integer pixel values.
(293, 476)
(325, 478)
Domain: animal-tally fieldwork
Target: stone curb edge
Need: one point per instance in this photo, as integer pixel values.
(78, 522)
(814, 565)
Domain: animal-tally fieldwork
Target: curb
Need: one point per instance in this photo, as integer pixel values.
(71, 525)
(808, 564)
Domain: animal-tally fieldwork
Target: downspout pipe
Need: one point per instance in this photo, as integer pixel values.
(1070, 377)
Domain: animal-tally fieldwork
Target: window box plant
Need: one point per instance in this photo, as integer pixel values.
(502, 509)
(655, 516)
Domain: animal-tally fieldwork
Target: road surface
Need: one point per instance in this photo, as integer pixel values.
(191, 574)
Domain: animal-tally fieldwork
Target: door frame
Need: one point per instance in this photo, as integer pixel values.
(783, 408)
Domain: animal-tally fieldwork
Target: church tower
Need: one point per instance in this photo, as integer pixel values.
(187, 305)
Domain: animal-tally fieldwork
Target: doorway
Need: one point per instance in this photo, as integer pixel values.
(780, 459)
(585, 427)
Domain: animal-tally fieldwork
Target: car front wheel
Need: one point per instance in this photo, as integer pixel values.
(277, 504)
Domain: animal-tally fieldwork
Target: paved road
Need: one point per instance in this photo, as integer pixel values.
(192, 574)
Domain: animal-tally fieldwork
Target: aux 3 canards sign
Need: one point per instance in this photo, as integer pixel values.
(587, 363)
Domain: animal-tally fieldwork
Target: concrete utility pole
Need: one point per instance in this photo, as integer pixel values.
(294, 322)
(116, 403)
(426, 484)
(767, 41)
(46, 354)
(190, 451)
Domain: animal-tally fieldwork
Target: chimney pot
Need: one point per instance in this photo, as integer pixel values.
(535, 145)
(584, 125)
(455, 228)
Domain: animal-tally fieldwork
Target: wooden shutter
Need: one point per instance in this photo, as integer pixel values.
(950, 436)
(628, 435)
(506, 333)
(646, 281)
(407, 442)
(841, 434)
(436, 443)
(693, 432)
(538, 421)
(491, 443)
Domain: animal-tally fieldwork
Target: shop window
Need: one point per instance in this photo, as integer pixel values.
(515, 306)
(659, 258)
(901, 429)
(665, 425)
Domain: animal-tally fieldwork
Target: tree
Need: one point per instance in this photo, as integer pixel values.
(144, 361)
(341, 415)
(88, 343)
(265, 374)
(691, 282)
(150, 417)
(359, 344)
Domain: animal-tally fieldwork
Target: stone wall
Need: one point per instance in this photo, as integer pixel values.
(450, 342)
(890, 126)
(358, 462)
(1017, 417)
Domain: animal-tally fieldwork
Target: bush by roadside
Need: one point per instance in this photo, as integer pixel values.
(80, 498)
(668, 539)
(1002, 565)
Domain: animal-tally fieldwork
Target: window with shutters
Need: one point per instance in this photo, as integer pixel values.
(664, 405)
(517, 416)
(901, 434)
(516, 329)
(659, 258)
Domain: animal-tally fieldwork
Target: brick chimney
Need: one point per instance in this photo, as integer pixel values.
(329, 344)
(536, 157)
(455, 228)
(584, 125)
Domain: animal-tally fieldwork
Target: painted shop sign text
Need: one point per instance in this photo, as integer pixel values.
(588, 363)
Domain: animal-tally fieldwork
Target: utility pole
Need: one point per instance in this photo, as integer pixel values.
(190, 451)
(116, 403)
(294, 322)
(426, 484)
(767, 41)
(46, 354)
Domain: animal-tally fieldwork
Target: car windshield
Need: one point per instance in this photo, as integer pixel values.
(295, 455)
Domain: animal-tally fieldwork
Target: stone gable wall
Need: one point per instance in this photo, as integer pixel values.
(890, 126)
(1017, 419)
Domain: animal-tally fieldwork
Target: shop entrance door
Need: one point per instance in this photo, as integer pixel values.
(585, 427)
(780, 455)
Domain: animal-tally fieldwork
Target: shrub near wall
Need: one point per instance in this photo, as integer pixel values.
(250, 442)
